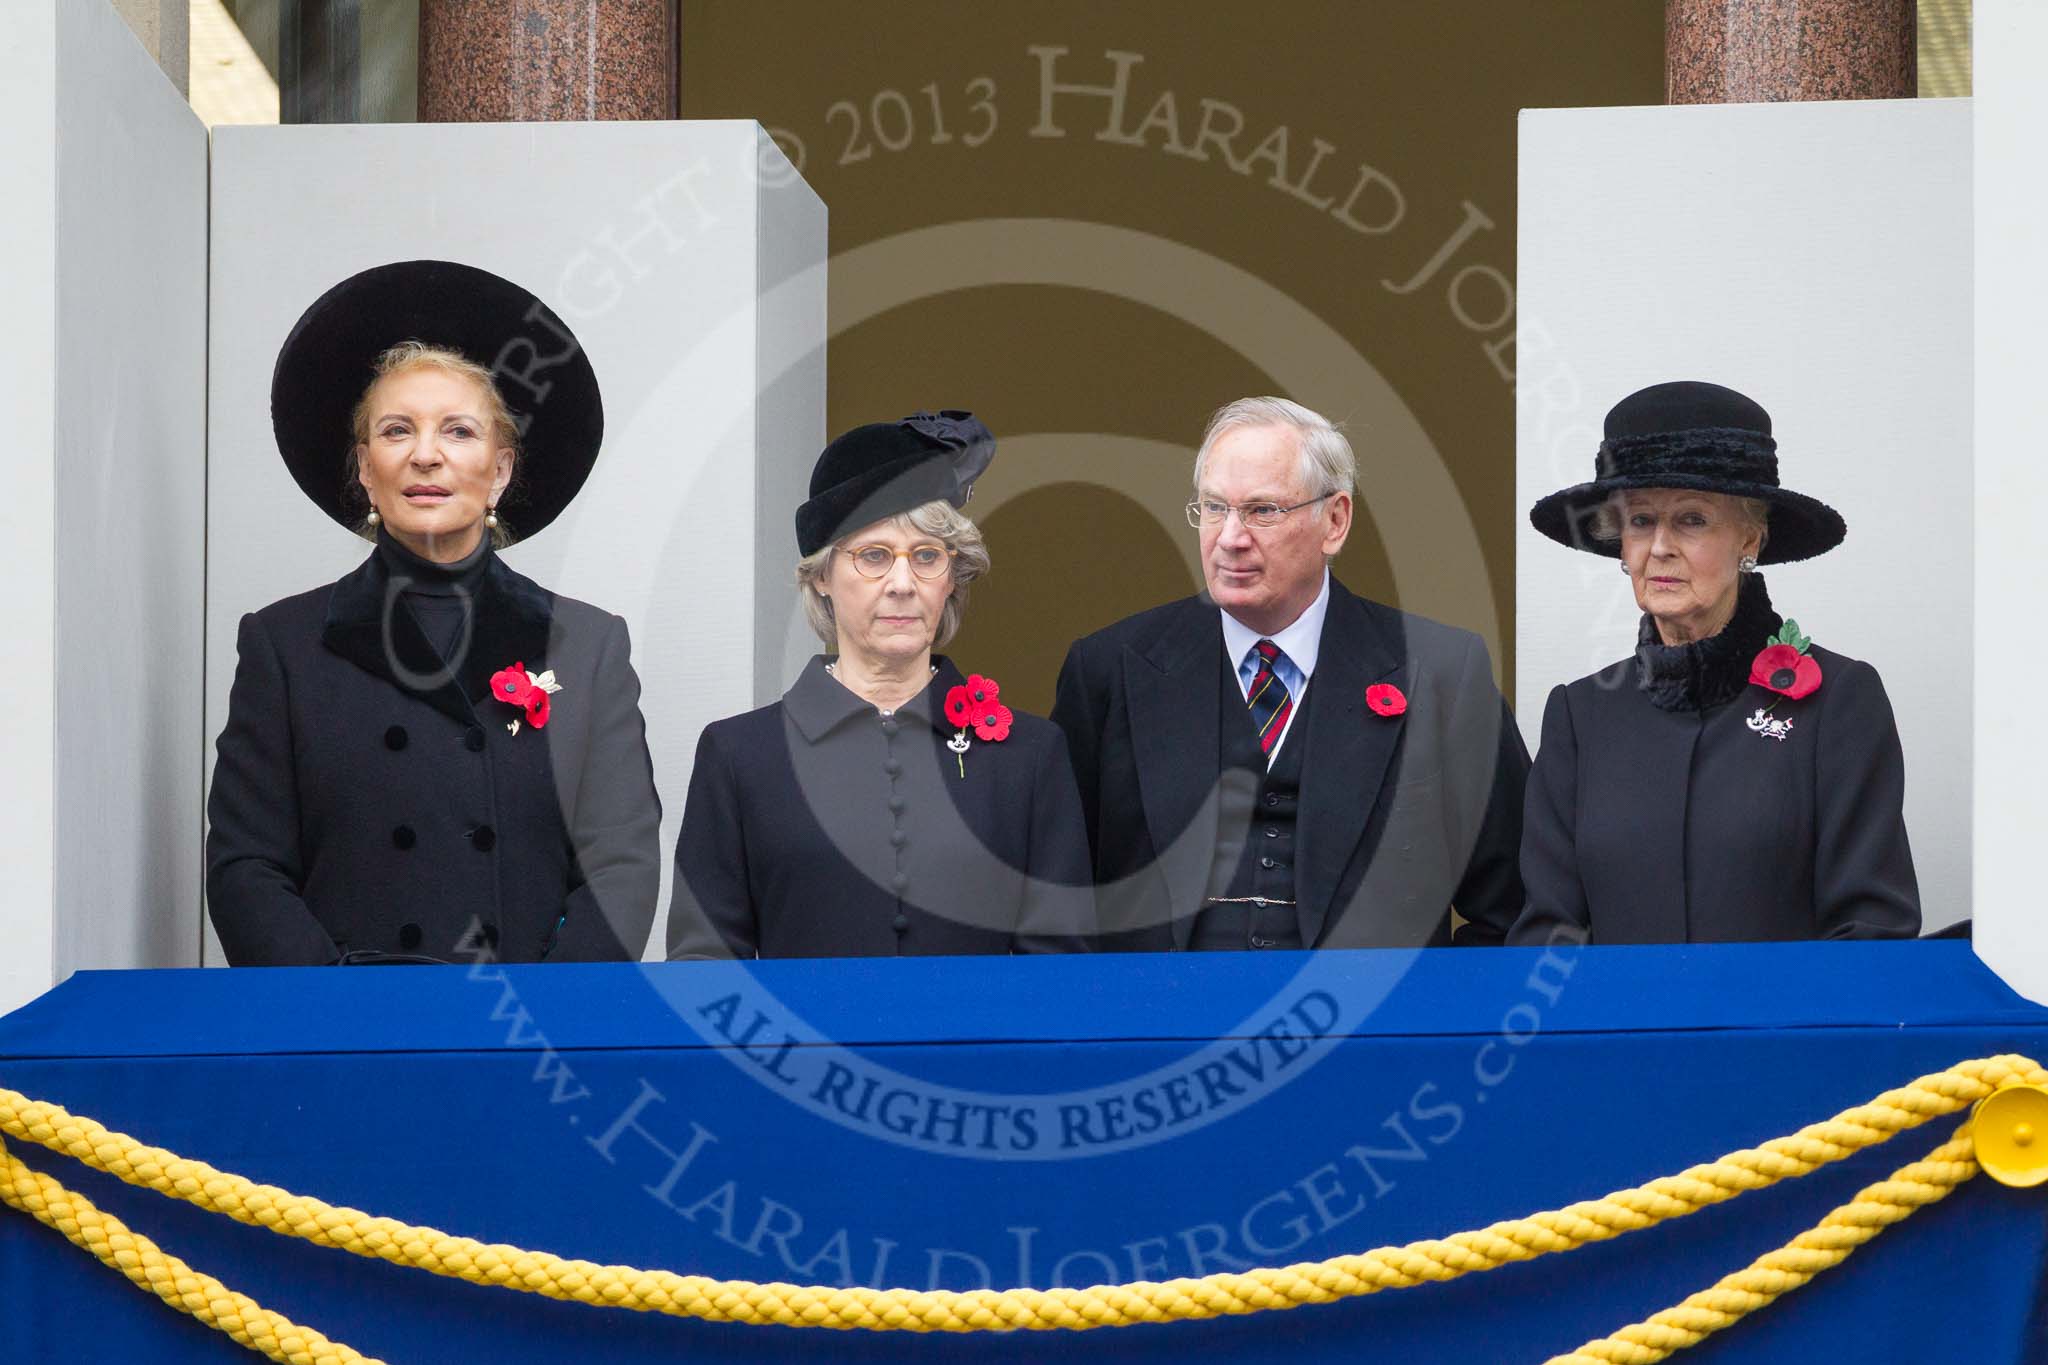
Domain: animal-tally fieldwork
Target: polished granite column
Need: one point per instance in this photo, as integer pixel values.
(498, 61)
(1750, 51)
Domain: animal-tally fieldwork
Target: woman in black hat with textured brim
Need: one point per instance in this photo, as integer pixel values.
(889, 804)
(435, 758)
(1731, 780)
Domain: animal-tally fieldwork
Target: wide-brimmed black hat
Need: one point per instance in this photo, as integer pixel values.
(885, 468)
(541, 370)
(1690, 434)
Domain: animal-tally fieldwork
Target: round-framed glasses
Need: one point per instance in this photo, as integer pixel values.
(926, 561)
(1263, 515)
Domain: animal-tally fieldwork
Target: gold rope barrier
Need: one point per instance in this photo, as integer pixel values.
(167, 1277)
(1877, 1207)
(1769, 1278)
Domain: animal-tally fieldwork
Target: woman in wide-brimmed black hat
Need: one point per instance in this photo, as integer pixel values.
(889, 804)
(1731, 780)
(435, 758)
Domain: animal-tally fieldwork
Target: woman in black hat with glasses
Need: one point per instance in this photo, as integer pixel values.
(889, 804)
(434, 758)
(1733, 779)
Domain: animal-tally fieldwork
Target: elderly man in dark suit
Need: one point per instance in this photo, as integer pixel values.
(1277, 763)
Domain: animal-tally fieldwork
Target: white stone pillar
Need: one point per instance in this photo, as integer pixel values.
(102, 375)
(2010, 653)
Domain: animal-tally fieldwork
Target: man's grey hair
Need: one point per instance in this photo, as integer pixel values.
(939, 520)
(1327, 464)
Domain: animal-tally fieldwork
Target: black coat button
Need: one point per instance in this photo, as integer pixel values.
(408, 937)
(1272, 798)
(395, 737)
(1258, 942)
(899, 837)
(900, 924)
(403, 837)
(901, 882)
(1267, 862)
(896, 804)
(484, 838)
(1272, 833)
(890, 726)
(893, 768)
(475, 739)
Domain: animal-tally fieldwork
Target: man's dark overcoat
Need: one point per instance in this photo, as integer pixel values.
(367, 798)
(818, 827)
(1664, 808)
(1401, 818)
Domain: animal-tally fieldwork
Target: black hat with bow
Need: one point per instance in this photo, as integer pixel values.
(1689, 434)
(886, 468)
(540, 369)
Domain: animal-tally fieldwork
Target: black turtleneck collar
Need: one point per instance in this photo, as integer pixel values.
(1702, 674)
(421, 576)
(512, 624)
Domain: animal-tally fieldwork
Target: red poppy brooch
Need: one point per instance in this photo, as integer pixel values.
(528, 691)
(1784, 666)
(1385, 699)
(973, 705)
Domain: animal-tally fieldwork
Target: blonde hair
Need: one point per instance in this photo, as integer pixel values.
(940, 520)
(420, 355)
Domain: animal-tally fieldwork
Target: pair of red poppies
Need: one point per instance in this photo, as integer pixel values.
(516, 687)
(974, 703)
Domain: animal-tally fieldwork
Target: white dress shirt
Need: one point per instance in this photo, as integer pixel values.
(1297, 663)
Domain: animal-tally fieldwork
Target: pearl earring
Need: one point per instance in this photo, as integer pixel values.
(373, 518)
(1748, 564)
(491, 518)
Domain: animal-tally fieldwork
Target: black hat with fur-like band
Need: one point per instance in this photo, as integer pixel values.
(886, 468)
(1689, 434)
(540, 368)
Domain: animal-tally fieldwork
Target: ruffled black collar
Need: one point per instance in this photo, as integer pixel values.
(1705, 673)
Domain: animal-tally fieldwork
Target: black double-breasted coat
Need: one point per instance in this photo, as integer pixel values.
(369, 798)
(1674, 801)
(1400, 818)
(818, 827)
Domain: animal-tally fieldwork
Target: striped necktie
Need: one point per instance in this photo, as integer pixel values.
(1267, 697)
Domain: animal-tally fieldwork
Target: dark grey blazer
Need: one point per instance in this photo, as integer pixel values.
(1648, 825)
(367, 798)
(816, 827)
(1401, 818)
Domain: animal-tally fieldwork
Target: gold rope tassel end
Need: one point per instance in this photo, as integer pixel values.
(2007, 1125)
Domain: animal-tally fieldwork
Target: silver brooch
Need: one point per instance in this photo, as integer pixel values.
(1769, 726)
